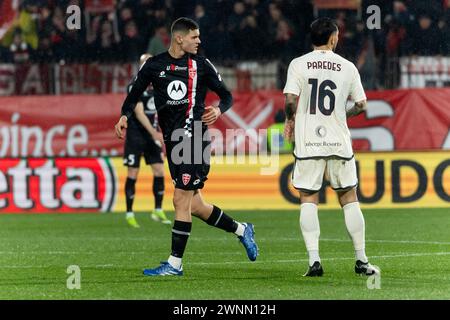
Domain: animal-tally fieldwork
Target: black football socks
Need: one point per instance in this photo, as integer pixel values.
(129, 193)
(222, 221)
(180, 234)
(158, 191)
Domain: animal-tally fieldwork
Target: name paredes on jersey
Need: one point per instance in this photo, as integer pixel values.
(325, 65)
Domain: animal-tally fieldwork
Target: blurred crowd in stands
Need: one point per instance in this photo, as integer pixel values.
(231, 30)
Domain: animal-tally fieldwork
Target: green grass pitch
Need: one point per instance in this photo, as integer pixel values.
(411, 246)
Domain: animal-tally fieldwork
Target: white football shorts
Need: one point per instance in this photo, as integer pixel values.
(308, 174)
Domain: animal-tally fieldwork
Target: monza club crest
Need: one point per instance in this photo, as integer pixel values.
(186, 178)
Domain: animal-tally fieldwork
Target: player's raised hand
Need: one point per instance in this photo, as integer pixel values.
(289, 126)
(211, 114)
(122, 124)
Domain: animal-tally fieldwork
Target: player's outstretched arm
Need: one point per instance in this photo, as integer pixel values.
(358, 107)
(142, 118)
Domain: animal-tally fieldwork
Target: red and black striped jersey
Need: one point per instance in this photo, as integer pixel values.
(180, 87)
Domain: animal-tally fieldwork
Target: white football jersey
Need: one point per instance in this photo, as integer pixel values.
(324, 81)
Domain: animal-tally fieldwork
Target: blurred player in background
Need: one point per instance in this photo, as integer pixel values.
(143, 139)
(317, 89)
(180, 80)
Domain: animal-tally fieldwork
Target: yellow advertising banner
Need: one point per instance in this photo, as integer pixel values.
(386, 180)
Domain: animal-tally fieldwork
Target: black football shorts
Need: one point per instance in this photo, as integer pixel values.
(137, 145)
(189, 166)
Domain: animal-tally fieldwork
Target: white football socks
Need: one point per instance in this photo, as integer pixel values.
(309, 225)
(240, 229)
(313, 256)
(130, 215)
(354, 221)
(174, 262)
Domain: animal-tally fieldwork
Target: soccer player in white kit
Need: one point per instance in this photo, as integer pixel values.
(317, 88)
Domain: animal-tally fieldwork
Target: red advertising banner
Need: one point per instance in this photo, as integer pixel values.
(403, 120)
(92, 78)
(96, 78)
(88, 185)
(63, 126)
(395, 119)
(56, 185)
(24, 79)
(83, 125)
(45, 79)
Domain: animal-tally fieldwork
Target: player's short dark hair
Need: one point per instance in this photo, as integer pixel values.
(184, 25)
(321, 30)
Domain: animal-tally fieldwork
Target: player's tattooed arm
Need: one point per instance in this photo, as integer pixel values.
(358, 107)
(290, 106)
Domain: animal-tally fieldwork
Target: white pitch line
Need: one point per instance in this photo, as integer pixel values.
(391, 241)
(367, 240)
(256, 262)
(222, 239)
(115, 252)
(33, 252)
(104, 266)
(329, 259)
(328, 239)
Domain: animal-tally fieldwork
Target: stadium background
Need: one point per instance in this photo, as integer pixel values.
(61, 92)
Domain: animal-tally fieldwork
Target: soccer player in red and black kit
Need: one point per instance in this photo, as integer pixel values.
(144, 139)
(180, 81)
